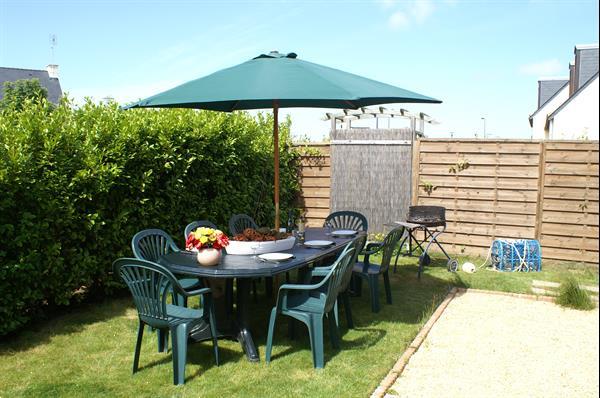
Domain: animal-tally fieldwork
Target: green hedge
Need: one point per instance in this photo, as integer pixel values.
(76, 184)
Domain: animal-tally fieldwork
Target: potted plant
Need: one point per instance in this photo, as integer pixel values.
(208, 242)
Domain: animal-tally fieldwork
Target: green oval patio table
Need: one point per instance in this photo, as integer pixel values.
(243, 269)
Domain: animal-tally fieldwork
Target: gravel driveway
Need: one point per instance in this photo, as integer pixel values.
(499, 346)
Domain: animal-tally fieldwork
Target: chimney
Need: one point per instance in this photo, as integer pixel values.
(52, 71)
(571, 78)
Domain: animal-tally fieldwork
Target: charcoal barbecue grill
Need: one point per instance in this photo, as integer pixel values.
(432, 221)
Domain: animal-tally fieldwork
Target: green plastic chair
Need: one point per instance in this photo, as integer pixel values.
(309, 304)
(239, 222)
(195, 225)
(347, 220)
(370, 272)
(150, 245)
(150, 285)
(358, 244)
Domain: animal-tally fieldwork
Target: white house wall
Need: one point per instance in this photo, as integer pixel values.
(539, 119)
(579, 118)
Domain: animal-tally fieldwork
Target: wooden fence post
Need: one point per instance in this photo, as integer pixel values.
(416, 154)
(539, 211)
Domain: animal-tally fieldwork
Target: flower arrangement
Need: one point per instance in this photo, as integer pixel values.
(204, 238)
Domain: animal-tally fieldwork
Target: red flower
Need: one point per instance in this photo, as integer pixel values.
(221, 241)
(206, 237)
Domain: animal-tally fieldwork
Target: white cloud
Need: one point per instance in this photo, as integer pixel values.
(398, 20)
(386, 4)
(543, 68)
(412, 12)
(421, 10)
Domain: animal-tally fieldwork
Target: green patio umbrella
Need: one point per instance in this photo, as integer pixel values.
(276, 81)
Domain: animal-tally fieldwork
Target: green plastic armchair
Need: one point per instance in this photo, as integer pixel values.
(239, 222)
(370, 272)
(150, 285)
(344, 295)
(347, 220)
(150, 245)
(309, 304)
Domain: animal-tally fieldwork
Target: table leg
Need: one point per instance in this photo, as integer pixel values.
(244, 336)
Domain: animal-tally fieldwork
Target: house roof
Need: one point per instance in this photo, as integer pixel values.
(547, 101)
(51, 84)
(575, 94)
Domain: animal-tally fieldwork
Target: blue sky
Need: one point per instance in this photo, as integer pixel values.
(481, 58)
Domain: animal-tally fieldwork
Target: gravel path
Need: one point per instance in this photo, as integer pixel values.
(500, 346)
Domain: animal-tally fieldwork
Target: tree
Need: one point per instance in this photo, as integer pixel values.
(19, 91)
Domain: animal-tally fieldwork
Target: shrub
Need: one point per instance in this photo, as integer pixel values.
(76, 184)
(18, 92)
(571, 295)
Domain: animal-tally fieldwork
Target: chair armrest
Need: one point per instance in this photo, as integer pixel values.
(204, 290)
(320, 271)
(316, 272)
(289, 286)
(285, 288)
(372, 248)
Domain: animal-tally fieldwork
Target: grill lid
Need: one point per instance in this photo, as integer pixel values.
(431, 216)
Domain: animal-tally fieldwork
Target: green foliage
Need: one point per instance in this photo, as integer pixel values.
(428, 187)
(17, 93)
(77, 184)
(571, 295)
(459, 166)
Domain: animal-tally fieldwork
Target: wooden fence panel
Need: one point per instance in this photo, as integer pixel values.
(569, 213)
(513, 189)
(315, 180)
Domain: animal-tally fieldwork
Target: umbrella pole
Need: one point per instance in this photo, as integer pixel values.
(276, 159)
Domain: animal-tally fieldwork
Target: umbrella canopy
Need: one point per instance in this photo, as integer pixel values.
(255, 84)
(276, 81)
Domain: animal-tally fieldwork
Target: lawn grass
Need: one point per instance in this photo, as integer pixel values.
(89, 351)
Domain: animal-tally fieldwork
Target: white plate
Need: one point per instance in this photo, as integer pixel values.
(318, 243)
(275, 256)
(343, 232)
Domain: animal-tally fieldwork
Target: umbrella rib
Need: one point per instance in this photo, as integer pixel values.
(351, 104)
(234, 106)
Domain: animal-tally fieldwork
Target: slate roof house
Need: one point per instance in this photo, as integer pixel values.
(568, 107)
(48, 78)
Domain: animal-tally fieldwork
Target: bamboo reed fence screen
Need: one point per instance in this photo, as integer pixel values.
(370, 173)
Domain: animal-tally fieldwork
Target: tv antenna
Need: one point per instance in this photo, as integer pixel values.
(53, 43)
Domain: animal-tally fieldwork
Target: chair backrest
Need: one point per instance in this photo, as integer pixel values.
(347, 220)
(336, 277)
(239, 222)
(197, 224)
(389, 244)
(150, 244)
(150, 285)
(357, 244)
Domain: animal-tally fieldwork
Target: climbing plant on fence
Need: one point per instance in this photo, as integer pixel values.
(77, 183)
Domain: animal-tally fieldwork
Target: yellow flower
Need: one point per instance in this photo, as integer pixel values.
(203, 239)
